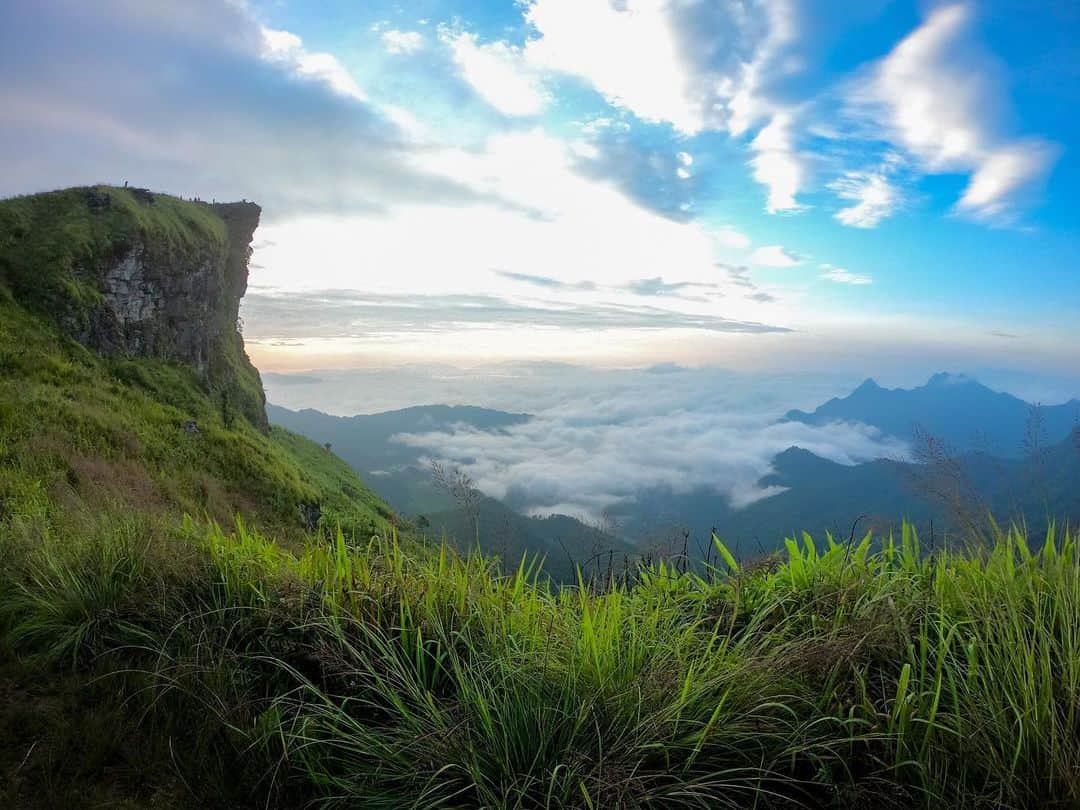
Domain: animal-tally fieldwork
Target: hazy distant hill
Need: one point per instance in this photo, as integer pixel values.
(952, 407)
(969, 480)
(822, 495)
(563, 541)
(365, 440)
(394, 470)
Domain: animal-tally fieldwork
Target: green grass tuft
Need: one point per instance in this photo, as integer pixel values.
(389, 675)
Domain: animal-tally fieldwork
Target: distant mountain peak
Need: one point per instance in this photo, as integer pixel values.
(794, 453)
(943, 378)
(794, 463)
(949, 406)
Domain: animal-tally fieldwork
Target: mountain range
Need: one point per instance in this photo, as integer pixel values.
(954, 408)
(976, 451)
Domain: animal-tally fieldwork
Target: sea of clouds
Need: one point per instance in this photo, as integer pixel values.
(601, 436)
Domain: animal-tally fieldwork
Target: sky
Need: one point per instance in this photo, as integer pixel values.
(758, 185)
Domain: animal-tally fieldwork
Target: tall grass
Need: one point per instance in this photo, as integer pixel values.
(373, 674)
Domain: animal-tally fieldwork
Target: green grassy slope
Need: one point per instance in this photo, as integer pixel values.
(81, 432)
(228, 672)
(103, 450)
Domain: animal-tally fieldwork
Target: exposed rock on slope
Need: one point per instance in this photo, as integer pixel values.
(159, 301)
(129, 272)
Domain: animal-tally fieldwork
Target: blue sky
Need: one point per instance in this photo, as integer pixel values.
(710, 182)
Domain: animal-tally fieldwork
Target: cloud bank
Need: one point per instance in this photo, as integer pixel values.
(337, 314)
(680, 430)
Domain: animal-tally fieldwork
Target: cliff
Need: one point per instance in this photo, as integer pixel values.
(130, 273)
(125, 386)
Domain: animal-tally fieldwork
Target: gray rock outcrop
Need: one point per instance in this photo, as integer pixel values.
(168, 300)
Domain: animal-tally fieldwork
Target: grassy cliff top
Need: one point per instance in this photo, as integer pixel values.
(44, 237)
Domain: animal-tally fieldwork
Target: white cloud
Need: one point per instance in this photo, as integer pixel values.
(729, 237)
(940, 98)
(748, 100)
(498, 73)
(777, 165)
(842, 276)
(621, 433)
(697, 66)
(583, 238)
(402, 42)
(288, 49)
(1003, 174)
(873, 194)
(233, 110)
(685, 158)
(630, 54)
(775, 256)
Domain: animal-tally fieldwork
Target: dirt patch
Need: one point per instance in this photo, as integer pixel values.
(101, 482)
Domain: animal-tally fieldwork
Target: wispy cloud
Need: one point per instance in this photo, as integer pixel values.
(1003, 175)
(546, 281)
(739, 276)
(842, 276)
(775, 256)
(939, 97)
(288, 49)
(498, 73)
(342, 314)
(658, 287)
(777, 165)
(873, 194)
(402, 42)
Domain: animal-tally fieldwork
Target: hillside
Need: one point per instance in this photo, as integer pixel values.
(396, 472)
(951, 407)
(126, 386)
(367, 440)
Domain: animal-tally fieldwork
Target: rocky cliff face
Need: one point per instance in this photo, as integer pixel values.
(131, 273)
(160, 299)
